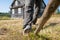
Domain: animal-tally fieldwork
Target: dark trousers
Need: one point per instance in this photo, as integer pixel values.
(32, 9)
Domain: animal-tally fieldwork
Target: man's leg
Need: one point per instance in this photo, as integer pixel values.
(29, 4)
(37, 10)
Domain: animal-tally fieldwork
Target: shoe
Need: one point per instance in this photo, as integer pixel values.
(25, 33)
(27, 30)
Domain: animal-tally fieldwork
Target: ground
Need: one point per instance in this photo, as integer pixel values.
(10, 30)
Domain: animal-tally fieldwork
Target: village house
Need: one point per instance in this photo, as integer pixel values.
(17, 9)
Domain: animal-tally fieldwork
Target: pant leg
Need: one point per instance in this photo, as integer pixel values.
(29, 4)
(37, 11)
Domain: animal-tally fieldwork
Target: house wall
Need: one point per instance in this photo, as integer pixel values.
(16, 14)
(20, 12)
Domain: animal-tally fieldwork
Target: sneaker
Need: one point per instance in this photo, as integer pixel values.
(27, 30)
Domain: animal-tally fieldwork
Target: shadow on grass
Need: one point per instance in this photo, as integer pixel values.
(50, 25)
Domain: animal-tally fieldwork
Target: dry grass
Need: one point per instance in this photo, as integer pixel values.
(10, 30)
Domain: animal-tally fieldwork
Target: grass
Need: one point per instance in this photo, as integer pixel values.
(11, 30)
(5, 18)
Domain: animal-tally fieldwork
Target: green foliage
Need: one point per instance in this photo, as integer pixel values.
(4, 16)
(58, 11)
(32, 36)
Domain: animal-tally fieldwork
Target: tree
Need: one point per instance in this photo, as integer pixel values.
(50, 8)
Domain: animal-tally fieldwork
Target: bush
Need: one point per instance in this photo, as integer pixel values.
(5, 16)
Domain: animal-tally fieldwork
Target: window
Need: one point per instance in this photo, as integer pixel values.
(16, 2)
(12, 11)
(19, 10)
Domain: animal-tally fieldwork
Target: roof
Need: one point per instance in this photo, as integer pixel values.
(21, 2)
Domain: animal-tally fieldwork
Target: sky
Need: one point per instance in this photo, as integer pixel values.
(4, 5)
